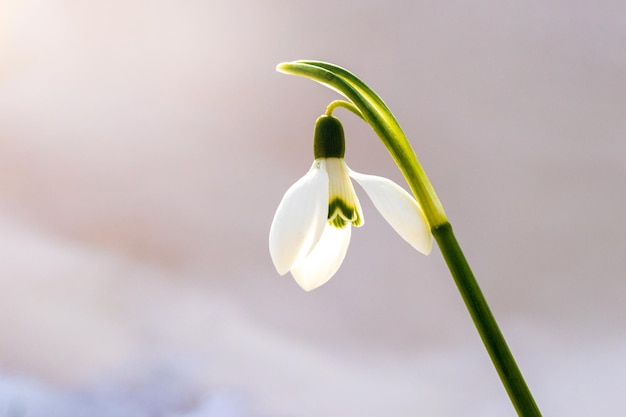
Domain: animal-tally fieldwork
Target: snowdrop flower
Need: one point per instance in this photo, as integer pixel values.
(311, 229)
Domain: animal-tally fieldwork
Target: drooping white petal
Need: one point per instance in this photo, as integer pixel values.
(399, 208)
(300, 218)
(325, 258)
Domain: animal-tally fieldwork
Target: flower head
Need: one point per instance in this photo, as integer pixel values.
(311, 229)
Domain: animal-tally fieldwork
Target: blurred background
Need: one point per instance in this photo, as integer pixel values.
(144, 147)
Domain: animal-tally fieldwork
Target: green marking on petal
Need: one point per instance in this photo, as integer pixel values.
(339, 207)
(338, 222)
(341, 213)
(358, 221)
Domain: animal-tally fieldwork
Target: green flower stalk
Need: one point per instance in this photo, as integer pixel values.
(311, 228)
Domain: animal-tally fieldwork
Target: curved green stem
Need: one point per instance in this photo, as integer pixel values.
(375, 112)
(346, 105)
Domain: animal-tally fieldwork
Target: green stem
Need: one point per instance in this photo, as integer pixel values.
(375, 112)
(346, 105)
(485, 322)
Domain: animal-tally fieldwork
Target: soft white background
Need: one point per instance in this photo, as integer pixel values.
(144, 146)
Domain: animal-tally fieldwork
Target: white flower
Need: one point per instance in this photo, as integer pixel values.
(311, 229)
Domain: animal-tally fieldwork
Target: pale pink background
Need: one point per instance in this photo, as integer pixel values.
(144, 147)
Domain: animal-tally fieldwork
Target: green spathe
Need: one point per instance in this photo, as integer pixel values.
(328, 140)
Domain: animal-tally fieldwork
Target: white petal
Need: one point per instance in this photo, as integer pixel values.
(325, 258)
(399, 208)
(300, 218)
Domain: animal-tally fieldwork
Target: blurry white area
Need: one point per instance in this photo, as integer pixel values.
(159, 396)
(144, 147)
